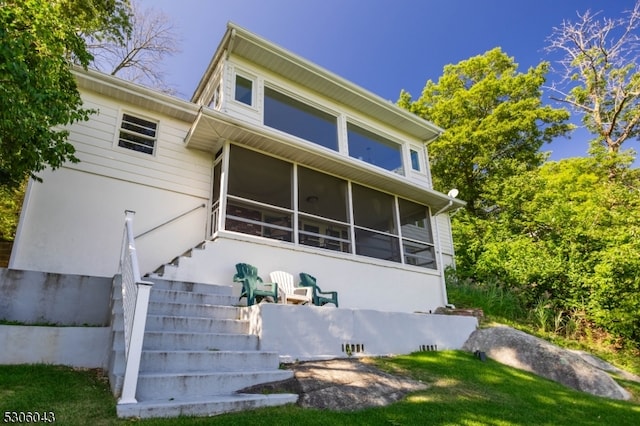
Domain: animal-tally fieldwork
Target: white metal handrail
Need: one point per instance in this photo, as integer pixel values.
(135, 303)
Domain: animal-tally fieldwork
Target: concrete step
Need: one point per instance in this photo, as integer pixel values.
(203, 405)
(165, 323)
(160, 361)
(196, 324)
(193, 310)
(174, 285)
(193, 384)
(214, 361)
(197, 341)
(187, 297)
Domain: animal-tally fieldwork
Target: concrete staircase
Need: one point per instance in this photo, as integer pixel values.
(197, 355)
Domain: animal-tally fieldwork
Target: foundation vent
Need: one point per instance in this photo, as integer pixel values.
(352, 348)
(428, 348)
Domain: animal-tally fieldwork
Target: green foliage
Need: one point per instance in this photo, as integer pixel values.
(494, 124)
(491, 296)
(10, 206)
(461, 391)
(39, 40)
(564, 239)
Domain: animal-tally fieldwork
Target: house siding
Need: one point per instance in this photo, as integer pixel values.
(172, 167)
(90, 198)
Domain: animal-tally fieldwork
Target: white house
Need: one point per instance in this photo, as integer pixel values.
(275, 162)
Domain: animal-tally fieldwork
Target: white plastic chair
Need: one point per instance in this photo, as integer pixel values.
(288, 292)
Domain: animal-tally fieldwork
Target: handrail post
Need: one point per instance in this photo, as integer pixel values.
(134, 354)
(135, 304)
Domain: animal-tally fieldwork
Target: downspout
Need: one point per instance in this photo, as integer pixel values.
(443, 283)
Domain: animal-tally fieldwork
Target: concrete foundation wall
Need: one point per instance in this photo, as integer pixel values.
(86, 347)
(37, 297)
(302, 333)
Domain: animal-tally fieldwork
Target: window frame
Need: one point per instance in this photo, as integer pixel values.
(402, 170)
(308, 103)
(419, 157)
(254, 82)
(120, 129)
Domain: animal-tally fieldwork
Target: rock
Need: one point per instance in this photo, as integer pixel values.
(342, 385)
(521, 350)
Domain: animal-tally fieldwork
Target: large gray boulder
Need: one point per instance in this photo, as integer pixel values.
(521, 350)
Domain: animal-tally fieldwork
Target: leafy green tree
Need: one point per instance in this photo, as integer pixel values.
(563, 233)
(39, 41)
(599, 75)
(494, 121)
(10, 206)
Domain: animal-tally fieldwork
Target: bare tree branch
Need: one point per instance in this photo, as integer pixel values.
(599, 75)
(151, 40)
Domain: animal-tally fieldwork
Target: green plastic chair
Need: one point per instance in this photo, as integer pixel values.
(320, 298)
(248, 276)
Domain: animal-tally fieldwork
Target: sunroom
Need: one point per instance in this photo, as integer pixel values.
(315, 173)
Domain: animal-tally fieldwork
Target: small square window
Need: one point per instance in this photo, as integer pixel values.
(138, 134)
(415, 160)
(244, 90)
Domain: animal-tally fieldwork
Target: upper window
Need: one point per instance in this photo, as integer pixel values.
(244, 90)
(374, 149)
(138, 134)
(299, 119)
(415, 160)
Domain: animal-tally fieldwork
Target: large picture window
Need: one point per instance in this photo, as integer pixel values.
(299, 119)
(374, 149)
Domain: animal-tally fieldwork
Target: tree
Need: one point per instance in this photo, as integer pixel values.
(563, 233)
(599, 75)
(494, 124)
(137, 59)
(39, 41)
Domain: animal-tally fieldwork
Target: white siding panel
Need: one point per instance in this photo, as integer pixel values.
(444, 228)
(173, 167)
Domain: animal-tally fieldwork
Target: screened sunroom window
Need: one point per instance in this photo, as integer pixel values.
(374, 149)
(417, 238)
(259, 195)
(323, 211)
(297, 118)
(375, 224)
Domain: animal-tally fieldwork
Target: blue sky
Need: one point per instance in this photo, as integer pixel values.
(382, 45)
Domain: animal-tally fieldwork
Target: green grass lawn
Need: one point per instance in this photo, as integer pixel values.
(462, 391)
